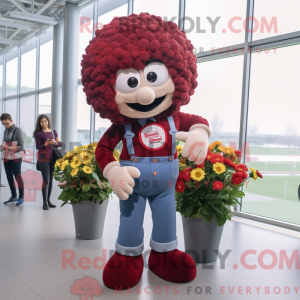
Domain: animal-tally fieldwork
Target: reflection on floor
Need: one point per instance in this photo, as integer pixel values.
(33, 244)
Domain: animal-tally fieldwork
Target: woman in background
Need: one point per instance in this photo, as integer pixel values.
(45, 140)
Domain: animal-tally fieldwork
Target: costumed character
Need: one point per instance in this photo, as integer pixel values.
(137, 72)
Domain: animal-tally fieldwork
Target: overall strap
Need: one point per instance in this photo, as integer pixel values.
(172, 131)
(128, 136)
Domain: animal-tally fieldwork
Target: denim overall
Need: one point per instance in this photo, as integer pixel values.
(157, 183)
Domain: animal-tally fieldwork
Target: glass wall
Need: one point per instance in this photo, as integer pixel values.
(12, 77)
(223, 81)
(167, 9)
(1, 81)
(217, 98)
(28, 70)
(275, 17)
(214, 24)
(46, 53)
(27, 122)
(274, 135)
(44, 103)
(10, 107)
(83, 118)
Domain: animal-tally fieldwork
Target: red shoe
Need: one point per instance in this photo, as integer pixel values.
(122, 271)
(174, 266)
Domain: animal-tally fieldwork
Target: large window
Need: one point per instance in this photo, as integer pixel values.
(44, 103)
(167, 9)
(83, 118)
(10, 107)
(28, 71)
(275, 18)
(1, 81)
(12, 77)
(27, 120)
(274, 135)
(108, 16)
(46, 51)
(215, 24)
(217, 98)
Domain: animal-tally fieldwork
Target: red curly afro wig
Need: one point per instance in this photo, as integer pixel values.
(128, 42)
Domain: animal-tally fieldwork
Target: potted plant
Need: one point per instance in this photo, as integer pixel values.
(85, 188)
(205, 194)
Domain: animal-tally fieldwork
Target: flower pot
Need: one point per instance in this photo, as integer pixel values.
(89, 219)
(201, 239)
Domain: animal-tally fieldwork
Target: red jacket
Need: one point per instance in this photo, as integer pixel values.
(115, 133)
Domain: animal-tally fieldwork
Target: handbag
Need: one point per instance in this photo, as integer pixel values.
(57, 153)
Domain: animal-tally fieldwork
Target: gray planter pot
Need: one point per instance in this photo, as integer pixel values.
(201, 239)
(89, 219)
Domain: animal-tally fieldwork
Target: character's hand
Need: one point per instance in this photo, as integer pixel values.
(121, 180)
(196, 143)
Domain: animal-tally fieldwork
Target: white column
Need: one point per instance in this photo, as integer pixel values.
(57, 73)
(70, 76)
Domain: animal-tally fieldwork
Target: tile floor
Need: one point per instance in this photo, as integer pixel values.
(32, 243)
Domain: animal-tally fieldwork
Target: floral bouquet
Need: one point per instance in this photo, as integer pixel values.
(209, 190)
(80, 176)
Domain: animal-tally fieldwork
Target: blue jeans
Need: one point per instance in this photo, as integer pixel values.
(157, 183)
(13, 169)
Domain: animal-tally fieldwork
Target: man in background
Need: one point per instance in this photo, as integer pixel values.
(13, 145)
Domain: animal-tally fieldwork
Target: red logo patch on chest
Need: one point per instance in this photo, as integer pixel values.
(153, 136)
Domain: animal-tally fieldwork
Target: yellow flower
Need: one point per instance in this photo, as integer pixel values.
(182, 162)
(64, 164)
(95, 144)
(214, 144)
(69, 154)
(75, 162)
(116, 154)
(57, 164)
(254, 173)
(74, 172)
(228, 150)
(77, 150)
(60, 160)
(219, 168)
(87, 170)
(179, 149)
(84, 157)
(197, 174)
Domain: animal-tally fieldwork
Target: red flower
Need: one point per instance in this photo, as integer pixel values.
(200, 166)
(217, 185)
(180, 186)
(229, 163)
(216, 158)
(238, 177)
(241, 168)
(209, 155)
(237, 152)
(185, 174)
(259, 174)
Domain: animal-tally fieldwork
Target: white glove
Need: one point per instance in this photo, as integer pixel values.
(196, 143)
(121, 180)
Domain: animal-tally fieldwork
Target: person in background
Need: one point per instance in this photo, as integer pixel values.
(45, 140)
(13, 146)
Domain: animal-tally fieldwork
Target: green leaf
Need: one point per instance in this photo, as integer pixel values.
(221, 219)
(96, 177)
(86, 187)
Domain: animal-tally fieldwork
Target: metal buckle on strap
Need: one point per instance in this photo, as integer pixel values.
(128, 135)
